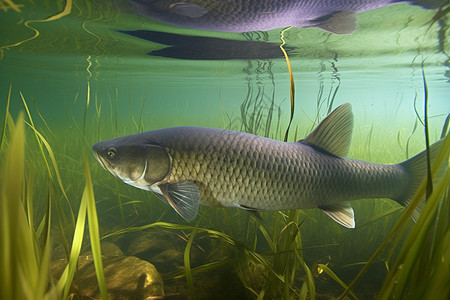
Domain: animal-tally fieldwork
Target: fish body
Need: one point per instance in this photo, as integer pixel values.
(249, 15)
(191, 165)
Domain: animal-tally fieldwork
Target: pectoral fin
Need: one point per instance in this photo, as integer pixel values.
(183, 196)
(341, 213)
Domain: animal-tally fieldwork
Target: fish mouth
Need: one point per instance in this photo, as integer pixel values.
(105, 165)
(100, 160)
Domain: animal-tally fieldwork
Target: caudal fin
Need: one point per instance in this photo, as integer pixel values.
(416, 167)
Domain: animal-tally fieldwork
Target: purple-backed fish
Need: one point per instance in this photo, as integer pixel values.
(188, 166)
(337, 16)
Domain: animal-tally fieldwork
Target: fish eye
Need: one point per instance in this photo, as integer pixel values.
(111, 152)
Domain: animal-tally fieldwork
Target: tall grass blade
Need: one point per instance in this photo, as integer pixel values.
(41, 140)
(187, 265)
(427, 135)
(11, 204)
(6, 117)
(445, 127)
(335, 278)
(94, 234)
(291, 83)
(66, 279)
(25, 264)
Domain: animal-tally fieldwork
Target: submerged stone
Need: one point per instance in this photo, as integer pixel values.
(108, 250)
(148, 244)
(127, 277)
(169, 260)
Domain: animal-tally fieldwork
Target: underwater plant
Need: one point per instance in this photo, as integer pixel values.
(25, 250)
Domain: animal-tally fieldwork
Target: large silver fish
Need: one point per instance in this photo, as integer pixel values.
(337, 16)
(191, 165)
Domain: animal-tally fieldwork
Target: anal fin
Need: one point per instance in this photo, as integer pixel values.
(341, 213)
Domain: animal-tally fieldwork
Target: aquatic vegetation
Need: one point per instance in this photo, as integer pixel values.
(291, 83)
(25, 249)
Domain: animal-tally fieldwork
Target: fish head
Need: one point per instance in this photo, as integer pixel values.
(134, 160)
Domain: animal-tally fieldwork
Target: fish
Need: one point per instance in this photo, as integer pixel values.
(189, 166)
(261, 15)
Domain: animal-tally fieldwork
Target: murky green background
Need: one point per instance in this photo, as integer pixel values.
(85, 81)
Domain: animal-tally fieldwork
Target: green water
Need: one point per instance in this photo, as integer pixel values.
(83, 81)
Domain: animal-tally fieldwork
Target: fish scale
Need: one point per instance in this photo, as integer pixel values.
(275, 170)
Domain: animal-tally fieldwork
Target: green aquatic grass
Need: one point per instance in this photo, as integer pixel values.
(24, 255)
(187, 265)
(94, 235)
(445, 127)
(406, 148)
(26, 248)
(330, 273)
(41, 140)
(67, 276)
(87, 207)
(42, 143)
(291, 83)
(8, 100)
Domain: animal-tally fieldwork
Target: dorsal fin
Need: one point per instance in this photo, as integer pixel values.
(334, 133)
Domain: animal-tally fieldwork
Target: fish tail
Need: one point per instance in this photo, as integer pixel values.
(416, 169)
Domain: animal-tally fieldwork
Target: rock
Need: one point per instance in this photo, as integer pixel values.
(127, 277)
(148, 244)
(169, 260)
(108, 250)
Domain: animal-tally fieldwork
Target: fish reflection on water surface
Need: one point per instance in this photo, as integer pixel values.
(336, 16)
(187, 47)
(188, 166)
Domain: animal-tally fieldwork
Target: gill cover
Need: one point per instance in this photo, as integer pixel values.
(158, 164)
